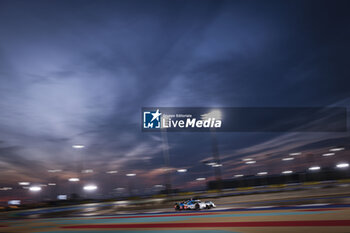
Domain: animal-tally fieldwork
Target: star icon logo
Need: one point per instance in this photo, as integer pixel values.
(156, 115)
(151, 119)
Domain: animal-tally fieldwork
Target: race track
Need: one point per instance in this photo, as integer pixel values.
(299, 218)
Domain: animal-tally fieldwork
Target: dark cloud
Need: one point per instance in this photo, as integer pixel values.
(80, 71)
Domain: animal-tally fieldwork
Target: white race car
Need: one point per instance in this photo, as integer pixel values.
(194, 205)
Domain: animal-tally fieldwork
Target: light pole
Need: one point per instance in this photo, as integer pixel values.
(89, 188)
(81, 163)
(251, 166)
(314, 172)
(289, 168)
(166, 160)
(54, 182)
(36, 189)
(119, 191)
(73, 187)
(111, 174)
(215, 114)
(343, 167)
(201, 180)
(130, 182)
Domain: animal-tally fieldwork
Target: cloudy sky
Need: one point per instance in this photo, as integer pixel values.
(78, 72)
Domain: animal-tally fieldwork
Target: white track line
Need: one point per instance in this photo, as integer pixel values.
(261, 207)
(311, 205)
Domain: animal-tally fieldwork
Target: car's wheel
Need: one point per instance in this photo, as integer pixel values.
(211, 206)
(196, 207)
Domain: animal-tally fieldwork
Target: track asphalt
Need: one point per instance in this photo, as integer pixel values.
(300, 218)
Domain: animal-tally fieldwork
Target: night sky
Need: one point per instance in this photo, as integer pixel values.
(79, 72)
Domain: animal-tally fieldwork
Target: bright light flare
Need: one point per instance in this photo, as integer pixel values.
(200, 178)
(287, 172)
(182, 170)
(51, 184)
(337, 149)
(24, 183)
(90, 187)
(342, 165)
(288, 159)
(35, 188)
(87, 171)
(294, 154)
(217, 165)
(247, 159)
(54, 170)
(250, 162)
(73, 179)
(262, 173)
(131, 174)
(78, 146)
(210, 164)
(314, 168)
(328, 154)
(111, 172)
(238, 175)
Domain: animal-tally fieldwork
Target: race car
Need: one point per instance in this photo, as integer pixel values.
(194, 205)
